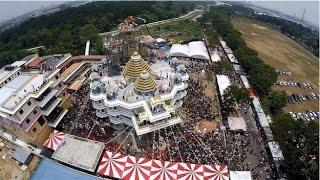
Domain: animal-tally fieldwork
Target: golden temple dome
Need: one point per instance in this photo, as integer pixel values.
(135, 67)
(145, 83)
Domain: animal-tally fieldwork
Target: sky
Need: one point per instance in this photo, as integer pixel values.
(294, 8)
(11, 9)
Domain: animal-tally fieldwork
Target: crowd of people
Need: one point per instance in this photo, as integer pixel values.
(179, 143)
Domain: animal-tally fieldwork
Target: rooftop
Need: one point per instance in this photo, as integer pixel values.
(122, 89)
(21, 154)
(51, 170)
(79, 152)
(19, 87)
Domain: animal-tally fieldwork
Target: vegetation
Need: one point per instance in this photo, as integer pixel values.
(221, 67)
(299, 143)
(66, 31)
(298, 140)
(212, 36)
(274, 102)
(235, 94)
(296, 31)
(181, 31)
(261, 75)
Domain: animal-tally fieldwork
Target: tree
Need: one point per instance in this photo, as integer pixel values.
(221, 67)
(234, 94)
(68, 30)
(275, 101)
(234, 40)
(299, 142)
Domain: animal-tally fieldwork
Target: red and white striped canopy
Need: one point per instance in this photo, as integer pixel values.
(54, 140)
(188, 171)
(137, 168)
(112, 164)
(217, 172)
(163, 170)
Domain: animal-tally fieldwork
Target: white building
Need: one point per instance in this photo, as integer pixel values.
(143, 96)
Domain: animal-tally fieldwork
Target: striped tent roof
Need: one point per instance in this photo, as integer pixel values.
(54, 140)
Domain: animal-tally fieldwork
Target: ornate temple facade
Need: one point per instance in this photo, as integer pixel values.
(145, 96)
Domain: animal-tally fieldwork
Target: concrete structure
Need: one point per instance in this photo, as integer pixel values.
(145, 96)
(79, 152)
(32, 97)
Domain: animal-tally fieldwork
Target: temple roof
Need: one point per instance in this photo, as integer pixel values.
(135, 67)
(145, 83)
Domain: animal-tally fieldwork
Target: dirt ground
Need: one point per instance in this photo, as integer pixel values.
(10, 169)
(205, 126)
(284, 54)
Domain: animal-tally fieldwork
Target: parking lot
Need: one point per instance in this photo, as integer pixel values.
(306, 116)
(303, 96)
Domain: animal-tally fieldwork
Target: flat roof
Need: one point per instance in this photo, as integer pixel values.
(51, 170)
(18, 63)
(261, 115)
(19, 87)
(79, 152)
(275, 150)
(237, 123)
(21, 154)
(223, 83)
(240, 175)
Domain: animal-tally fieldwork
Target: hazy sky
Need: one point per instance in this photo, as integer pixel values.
(294, 8)
(10, 9)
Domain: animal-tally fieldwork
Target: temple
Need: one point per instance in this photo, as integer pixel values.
(145, 96)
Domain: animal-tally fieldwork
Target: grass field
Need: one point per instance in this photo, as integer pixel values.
(283, 53)
(176, 31)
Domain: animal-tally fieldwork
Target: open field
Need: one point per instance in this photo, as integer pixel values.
(176, 31)
(283, 53)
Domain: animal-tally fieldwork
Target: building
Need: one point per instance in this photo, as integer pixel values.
(79, 152)
(145, 96)
(33, 97)
(50, 170)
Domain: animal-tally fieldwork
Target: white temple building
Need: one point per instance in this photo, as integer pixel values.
(145, 96)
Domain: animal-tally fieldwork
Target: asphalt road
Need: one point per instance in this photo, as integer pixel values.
(190, 15)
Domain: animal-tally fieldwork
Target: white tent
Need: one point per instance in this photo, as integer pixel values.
(160, 40)
(223, 83)
(245, 81)
(179, 50)
(237, 123)
(198, 50)
(195, 49)
(215, 57)
(223, 44)
(275, 151)
(261, 115)
(240, 175)
(232, 58)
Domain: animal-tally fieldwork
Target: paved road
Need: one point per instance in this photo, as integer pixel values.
(190, 15)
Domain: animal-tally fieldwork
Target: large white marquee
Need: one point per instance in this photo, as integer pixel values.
(195, 49)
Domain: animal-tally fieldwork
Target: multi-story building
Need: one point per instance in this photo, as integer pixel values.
(33, 97)
(144, 96)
